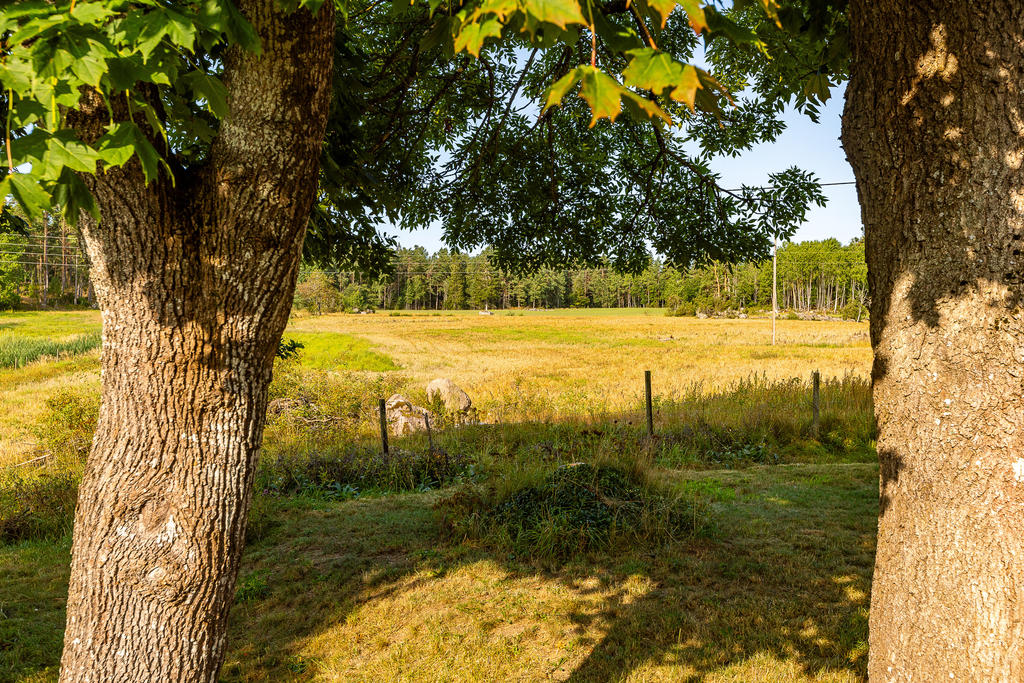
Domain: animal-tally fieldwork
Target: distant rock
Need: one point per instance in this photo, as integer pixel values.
(403, 417)
(455, 400)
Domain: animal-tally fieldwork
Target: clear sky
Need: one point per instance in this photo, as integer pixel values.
(812, 146)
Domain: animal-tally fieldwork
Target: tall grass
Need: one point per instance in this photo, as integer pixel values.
(17, 350)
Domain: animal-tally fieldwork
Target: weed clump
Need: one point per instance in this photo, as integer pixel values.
(347, 473)
(573, 510)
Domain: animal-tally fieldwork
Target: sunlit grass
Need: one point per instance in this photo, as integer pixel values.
(18, 350)
(362, 590)
(775, 588)
(577, 362)
(336, 351)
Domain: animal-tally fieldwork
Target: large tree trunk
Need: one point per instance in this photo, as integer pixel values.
(195, 282)
(934, 129)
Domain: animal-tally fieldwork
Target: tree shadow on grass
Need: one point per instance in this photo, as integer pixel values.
(778, 590)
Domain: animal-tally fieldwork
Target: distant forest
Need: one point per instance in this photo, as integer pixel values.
(823, 276)
(48, 268)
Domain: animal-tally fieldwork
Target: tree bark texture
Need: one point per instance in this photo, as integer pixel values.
(195, 282)
(934, 129)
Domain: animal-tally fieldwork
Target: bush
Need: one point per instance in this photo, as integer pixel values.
(685, 308)
(853, 311)
(573, 510)
(318, 294)
(67, 428)
(37, 505)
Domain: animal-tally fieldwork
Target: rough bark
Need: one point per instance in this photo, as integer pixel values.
(934, 129)
(195, 281)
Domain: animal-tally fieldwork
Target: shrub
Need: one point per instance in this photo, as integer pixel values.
(66, 429)
(853, 311)
(37, 505)
(574, 509)
(318, 294)
(306, 401)
(684, 308)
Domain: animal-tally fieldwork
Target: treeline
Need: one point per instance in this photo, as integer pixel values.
(44, 265)
(824, 276)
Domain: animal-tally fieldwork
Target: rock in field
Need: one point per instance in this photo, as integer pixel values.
(403, 417)
(455, 400)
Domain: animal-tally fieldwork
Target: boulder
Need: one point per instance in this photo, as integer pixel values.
(455, 400)
(403, 417)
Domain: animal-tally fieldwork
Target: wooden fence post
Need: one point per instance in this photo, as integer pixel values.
(383, 425)
(650, 408)
(816, 401)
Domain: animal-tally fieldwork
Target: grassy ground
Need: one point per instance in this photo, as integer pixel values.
(775, 590)
(576, 361)
(524, 365)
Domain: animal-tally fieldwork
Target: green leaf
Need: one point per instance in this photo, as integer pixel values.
(617, 38)
(125, 140)
(72, 194)
(557, 12)
(664, 8)
(557, 91)
(656, 71)
(695, 13)
(27, 191)
(719, 24)
(439, 34)
(211, 89)
(91, 12)
(602, 92)
(471, 38)
(65, 151)
(642, 109)
(818, 87)
(652, 70)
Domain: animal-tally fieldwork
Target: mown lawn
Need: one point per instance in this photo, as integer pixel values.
(775, 589)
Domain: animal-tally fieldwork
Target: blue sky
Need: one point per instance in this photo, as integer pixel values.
(812, 146)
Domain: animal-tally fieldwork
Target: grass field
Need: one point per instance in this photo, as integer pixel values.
(360, 582)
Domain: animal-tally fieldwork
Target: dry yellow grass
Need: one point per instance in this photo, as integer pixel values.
(550, 364)
(367, 590)
(575, 362)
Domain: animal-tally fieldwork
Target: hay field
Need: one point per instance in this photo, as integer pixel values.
(594, 359)
(558, 364)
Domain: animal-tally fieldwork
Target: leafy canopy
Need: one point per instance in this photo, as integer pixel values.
(453, 112)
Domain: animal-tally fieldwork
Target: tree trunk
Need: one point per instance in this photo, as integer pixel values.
(933, 128)
(195, 282)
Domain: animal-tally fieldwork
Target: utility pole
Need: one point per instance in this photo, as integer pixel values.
(775, 277)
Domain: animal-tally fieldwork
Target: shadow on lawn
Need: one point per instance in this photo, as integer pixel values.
(779, 589)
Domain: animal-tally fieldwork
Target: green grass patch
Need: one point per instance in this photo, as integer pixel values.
(51, 324)
(573, 510)
(336, 351)
(18, 349)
